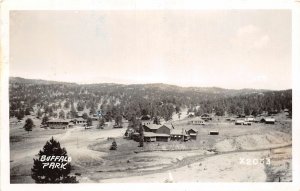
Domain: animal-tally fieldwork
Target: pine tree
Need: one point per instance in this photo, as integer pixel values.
(48, 175)
(113, 145)
(45, 119)
(141, 131)
(28, 125)
(62, 114)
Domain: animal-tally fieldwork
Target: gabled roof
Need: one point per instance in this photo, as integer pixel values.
(193, 129)
(153, 126)
(178, 132)
(205, 115)
(58, 121)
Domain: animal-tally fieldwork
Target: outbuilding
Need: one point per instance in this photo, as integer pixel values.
(270, 121)
(193, 133)
(196, 121)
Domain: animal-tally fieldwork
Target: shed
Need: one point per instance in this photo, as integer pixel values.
(270, 121)
(193, 133)
(239, 122)
(214, 132)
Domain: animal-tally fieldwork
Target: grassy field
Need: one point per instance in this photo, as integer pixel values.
(92, 160)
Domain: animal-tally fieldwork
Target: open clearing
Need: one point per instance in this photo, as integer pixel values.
(209, 158)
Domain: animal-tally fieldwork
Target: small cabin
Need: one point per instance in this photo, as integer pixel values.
(196, 121)
(206, 117)
(193, 133)
(239, 122)
(214, 133)
(269, 121)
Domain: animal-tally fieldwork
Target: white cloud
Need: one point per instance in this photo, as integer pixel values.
(250, 37)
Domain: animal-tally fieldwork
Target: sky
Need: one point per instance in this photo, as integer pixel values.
(232, 49)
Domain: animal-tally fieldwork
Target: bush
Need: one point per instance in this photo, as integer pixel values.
(113, 145)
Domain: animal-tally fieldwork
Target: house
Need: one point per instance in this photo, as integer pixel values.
(239, 122)
(247, 123)
(59, 124)
(196, 121)
(250, 119)
(193, 133)
(206, 117)
(79, 121)
(179, 134)
(241, 116)
(269, 121)
(146, 120)
(191, 114)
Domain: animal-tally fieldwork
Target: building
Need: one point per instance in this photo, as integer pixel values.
(206, 117)
(214, 133)
(193, 133)
(79, 121)
(250, 119)
(178, 135)
(60, 124)
(191, 114)
(152, 137)
(239, 122)
(196, 121)
(269, 121)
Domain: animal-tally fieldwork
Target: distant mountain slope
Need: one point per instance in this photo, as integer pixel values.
(20, 80)
(156, 99)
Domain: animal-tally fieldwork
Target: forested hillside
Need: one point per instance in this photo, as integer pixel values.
(130, 101)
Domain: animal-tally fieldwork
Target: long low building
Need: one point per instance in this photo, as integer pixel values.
(152, 137)
(60, 123)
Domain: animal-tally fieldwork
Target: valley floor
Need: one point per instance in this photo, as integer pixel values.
(208, 159)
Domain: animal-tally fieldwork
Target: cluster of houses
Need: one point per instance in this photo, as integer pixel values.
(66, 123)
(251, 119)
(164, 133)
(205, 117)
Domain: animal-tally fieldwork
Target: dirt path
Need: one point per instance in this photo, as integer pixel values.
(190, 160)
